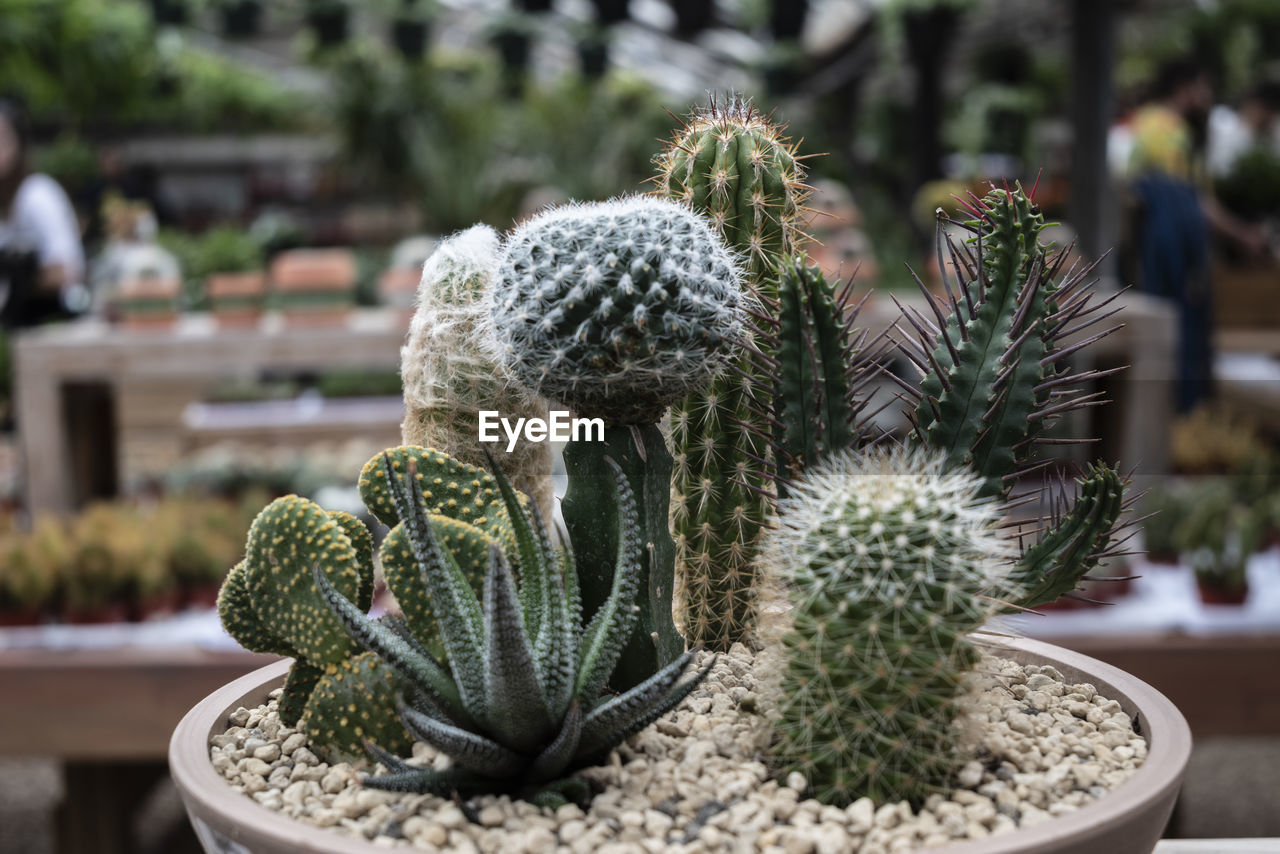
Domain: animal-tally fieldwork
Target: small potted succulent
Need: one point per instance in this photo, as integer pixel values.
(235, 276)
(314, 286)
(29, 574)
(144, 295)
(759, 625)
(1218, 537)
(1167, 507)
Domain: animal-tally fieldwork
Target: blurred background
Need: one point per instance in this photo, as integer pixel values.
(213, 214)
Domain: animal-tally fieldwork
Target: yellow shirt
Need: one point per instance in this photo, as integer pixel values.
(1161, 142)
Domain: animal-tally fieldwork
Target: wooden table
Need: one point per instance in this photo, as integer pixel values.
(97, 404)
(107, 716)
(93, 401)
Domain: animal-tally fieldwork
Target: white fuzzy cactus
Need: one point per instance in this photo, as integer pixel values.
(448, 377)
(890, 561)
(616, 309)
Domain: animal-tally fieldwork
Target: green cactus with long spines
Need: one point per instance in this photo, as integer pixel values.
(993, 382)
(449, 378)
(522, 703)
(616, 310)
(890, 560)
(354, 702)
(734, 165)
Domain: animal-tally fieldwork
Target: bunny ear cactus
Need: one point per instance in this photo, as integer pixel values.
(448, 378)
(520, 706)
(616, 310)
(737, 167)
(269, 602)
(890, 560)
(994, 381)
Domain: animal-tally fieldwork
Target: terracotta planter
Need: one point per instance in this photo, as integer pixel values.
(1212, 594)
(1129, 819)
(314, 286)
(148, 303)
(24, 617)
(162, 604)
(201, 596)
(236, 299)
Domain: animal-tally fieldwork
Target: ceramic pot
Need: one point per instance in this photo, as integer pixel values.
(1129, 819)
(314, 286)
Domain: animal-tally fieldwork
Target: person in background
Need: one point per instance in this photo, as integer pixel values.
(1256, 122)
(1168, 178)
(36, 218)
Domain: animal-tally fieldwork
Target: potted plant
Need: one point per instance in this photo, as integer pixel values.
(30, 572)
(241, 19)
(835, 713)
(411, 28)
(329, 21)
(1218, 537)
(314, 286)
(235, 279)
(1166, 507)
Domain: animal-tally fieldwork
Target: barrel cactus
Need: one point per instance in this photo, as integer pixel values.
(448, 378)
(617, 309)
(890, 559)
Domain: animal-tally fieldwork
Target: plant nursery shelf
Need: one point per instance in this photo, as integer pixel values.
(132, 370)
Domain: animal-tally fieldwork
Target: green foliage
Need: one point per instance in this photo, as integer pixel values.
(521, 705)
(355, 701)
(891, 561)
(993, 384)
(1252, 188)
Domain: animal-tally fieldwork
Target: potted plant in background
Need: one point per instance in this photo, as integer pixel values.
(241, 19)
(314, 286)
(411, 27)
(30, 573)
(620, 311)
(1218, 537)
(235, 280)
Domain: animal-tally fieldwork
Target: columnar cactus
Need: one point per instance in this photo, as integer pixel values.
(994, 374)
(822, 366)
(890, 559)
(733, 164)
(448, 378)
(616, 310)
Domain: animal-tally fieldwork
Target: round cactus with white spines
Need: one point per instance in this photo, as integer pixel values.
(616, 309)
(890, 560)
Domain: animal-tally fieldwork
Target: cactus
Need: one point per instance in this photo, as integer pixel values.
(822, 364)
(448, 378)
(353, 702)
(616, 310)
(521, 705)
(268, 602)
(891, 559)
(992, 384)
(734, 165)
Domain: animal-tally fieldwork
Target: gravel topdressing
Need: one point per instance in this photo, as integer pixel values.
(696, 780)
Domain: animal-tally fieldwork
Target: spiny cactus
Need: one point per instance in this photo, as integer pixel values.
(822, 366)
(616, 310)
(993, 371)
(733, 163)
(447, 376)
(737, 167)
(521, 705)
(890, 560)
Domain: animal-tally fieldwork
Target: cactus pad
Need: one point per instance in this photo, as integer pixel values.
(352, 702)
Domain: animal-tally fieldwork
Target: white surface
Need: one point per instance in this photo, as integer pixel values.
(1164, 599)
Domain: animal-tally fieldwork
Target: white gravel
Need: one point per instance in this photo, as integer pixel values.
(697, 781)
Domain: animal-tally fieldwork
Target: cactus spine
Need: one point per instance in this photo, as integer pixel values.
(736, 166)
(890, 559)
(992, 384)
(616, 310)
(447, 376)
